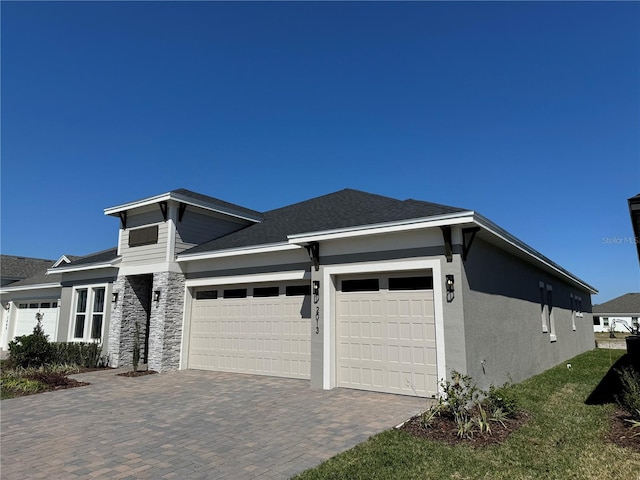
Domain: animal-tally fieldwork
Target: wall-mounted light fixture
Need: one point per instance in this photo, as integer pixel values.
(156, 296)
(7, 306)
(449, 283)
(316, 287)
(114, 297)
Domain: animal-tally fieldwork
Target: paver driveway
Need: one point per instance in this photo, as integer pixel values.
(188, 425)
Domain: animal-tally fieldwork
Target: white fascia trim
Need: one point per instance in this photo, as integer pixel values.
(254, 278)
(232, 252)
(329, 355)
(178, 198)
(81, 268)
(63, 258)
(30, 287)
(149, 268)
(391, 227)
(502, 234)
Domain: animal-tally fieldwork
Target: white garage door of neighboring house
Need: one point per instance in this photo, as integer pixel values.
(26, 317)
(386, 338)
(259, 329)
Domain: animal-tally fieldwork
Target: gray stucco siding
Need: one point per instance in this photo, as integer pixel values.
(503, 318)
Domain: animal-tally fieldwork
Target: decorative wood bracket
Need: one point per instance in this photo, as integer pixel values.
(163, 209)
(468, 235)
(448, 249)
(183, 207)
(123, 219)
(314, 254)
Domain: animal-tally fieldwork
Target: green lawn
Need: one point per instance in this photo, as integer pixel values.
(564, 439)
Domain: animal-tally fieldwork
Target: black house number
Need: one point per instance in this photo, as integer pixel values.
(316, 299)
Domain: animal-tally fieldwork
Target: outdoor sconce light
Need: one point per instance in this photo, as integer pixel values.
(156, 296)
(7, 306)
(316, 287)
(114, 297)
(449, 283)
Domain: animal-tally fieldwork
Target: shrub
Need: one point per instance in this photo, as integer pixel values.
(503, 399)
(31, 350)
(83, 354)
(629, 399)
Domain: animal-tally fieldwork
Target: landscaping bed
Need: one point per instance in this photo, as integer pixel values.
(560, 436)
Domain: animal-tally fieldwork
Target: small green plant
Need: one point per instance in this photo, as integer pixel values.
(482, 420)
(431, 414)
(136, 347)
(503, 398)
(629, 399)
(31, 350)
(634, 424)
(84, 354)
(499, 416)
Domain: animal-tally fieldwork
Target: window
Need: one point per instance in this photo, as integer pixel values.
(143, 236)
(596, 320)
(22, 305)
(33, 305)
(45, 305)
(411, 283)
(207, 295)
(89, 313)
(605, 321)
(364, 285)
(266, 291)
(298, 290)
(235, 293)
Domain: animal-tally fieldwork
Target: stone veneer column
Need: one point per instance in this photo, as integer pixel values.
(165, 333)
(131, 307)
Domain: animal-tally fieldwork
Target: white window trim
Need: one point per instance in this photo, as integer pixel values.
(574, 310)
(551, 315)
(543, 309)
(88, 313)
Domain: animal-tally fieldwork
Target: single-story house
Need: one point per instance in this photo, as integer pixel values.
(622, 313)
(348, 289)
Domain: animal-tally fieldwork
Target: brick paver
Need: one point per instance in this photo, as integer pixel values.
(188, 425)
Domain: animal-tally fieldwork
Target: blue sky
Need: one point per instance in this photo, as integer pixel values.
(528, 113)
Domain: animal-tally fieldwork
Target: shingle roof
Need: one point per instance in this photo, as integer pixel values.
(93, 258)
(628, 303)
(346, 208)
(14, 268)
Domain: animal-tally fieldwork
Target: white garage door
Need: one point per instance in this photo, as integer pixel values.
(260, 329)
(26, 317)
(386, 334)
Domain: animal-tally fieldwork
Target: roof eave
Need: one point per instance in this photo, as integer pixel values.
(37, 286)
(387, 227)
(231, 252)
(114, 211)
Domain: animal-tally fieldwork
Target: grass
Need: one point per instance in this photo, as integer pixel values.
(564, 439)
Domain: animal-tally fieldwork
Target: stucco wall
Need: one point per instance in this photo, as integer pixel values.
(503, 323)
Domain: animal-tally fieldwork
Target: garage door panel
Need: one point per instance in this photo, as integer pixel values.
(261, 335)
(396, 353)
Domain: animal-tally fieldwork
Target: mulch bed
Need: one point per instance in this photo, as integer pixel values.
(139, 373)
(444, 429)
(619, 432)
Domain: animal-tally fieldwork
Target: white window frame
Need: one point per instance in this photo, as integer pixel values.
(88, 313)
(574, 310)
(544, 314)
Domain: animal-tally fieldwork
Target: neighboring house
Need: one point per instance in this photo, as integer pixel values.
(622, 312)
(349, 289)
(14, 269)
(31, 292)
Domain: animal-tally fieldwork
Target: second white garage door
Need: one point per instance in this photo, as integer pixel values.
(386, 334)
(259, 329)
